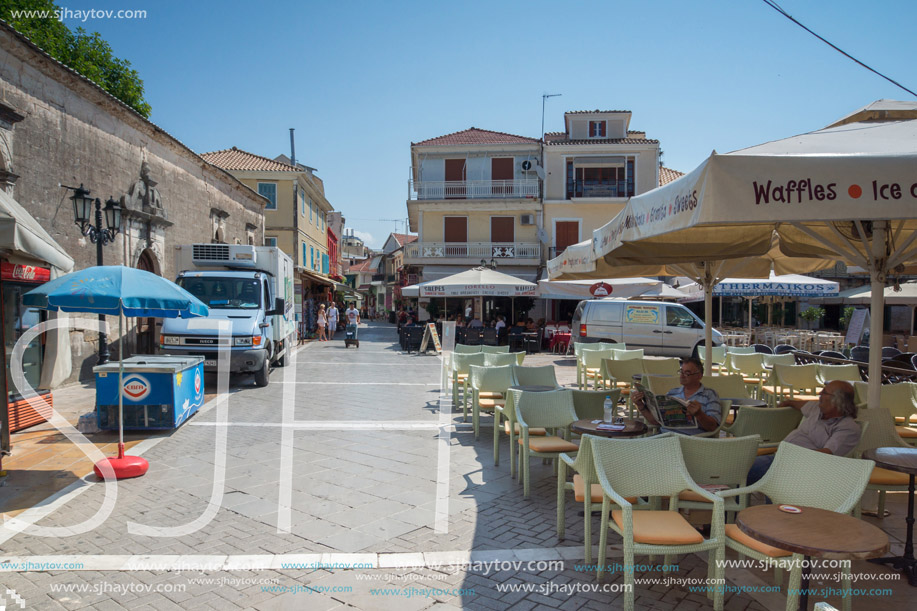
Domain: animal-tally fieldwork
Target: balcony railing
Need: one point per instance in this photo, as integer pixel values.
(590, 188)
(474, 189)
(473, 250)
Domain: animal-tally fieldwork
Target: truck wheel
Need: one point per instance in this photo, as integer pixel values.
(284, 360)
(263, 375)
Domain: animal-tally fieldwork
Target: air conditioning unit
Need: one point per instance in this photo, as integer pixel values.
(527, 166)
(528, 219)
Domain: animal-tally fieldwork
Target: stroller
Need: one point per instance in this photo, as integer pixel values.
(350, 336)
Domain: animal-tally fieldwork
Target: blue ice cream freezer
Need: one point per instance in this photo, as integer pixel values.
(160, 392)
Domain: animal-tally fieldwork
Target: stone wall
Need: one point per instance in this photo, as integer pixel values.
(74, 133)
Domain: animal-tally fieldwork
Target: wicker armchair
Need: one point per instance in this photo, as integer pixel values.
(879, 432)
(829, 373)
(505, 415)
(792, 382)
(580, 347)
(770, 424)
(620, 375)
(590, 404)
(901, 400)
(719, 359)
(661, 367)
(494, 349)
(751, 368)
(801, 477)
(548, 410)
(592, 365)
(500, 359)
(717, 462)
(489, 386)
(653, 467)
(584, 478)
(536, 376)
(460, 368)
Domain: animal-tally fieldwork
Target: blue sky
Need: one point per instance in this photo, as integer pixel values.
(361, 80)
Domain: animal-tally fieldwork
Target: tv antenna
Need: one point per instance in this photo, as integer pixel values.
(544, 97)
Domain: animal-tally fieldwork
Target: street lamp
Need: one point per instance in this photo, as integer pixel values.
(492, 264)
(98, 235)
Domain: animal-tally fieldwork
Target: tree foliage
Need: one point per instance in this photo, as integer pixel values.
(88, 54)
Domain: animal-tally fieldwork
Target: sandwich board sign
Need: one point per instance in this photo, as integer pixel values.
(428, 334)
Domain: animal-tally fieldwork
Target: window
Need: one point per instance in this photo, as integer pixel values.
(311, 258)
(678, 317)
(270, 241)
(597, 129)
(304, 254)
(302, 203)
(268, 190)
(310, 209)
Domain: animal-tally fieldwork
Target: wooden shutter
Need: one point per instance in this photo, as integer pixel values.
(455, 173)
(502, 229)
(501, 173)
(455, 229)
(566, 233)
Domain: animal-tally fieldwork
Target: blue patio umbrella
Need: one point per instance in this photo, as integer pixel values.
(119, 291)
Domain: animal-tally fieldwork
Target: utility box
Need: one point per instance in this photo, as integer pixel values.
(160, 392)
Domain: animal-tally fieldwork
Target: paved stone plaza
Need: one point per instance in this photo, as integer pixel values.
(357, 472)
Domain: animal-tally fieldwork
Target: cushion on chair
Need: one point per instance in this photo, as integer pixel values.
(489, 404)
(550, 443)
(906, 432)
(578, 490)
(767, 450)
(887, 477)
(532, 430)
(461, 377)
(660, 528)
(690, 495)
(490, 395)
(733, 532)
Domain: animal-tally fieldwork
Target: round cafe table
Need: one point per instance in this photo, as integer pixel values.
(814, 534)
(632, 428)
(743, 402)
(903, 460)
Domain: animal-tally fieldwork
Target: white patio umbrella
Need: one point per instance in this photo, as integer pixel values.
(844, 192)
(478, 282)
(580, 289)
(905, 295)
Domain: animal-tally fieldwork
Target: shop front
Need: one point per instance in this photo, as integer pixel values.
(313, 290)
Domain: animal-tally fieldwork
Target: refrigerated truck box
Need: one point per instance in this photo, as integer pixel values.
(160, 392)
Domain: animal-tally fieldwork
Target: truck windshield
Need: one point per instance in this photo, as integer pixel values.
(224, 293)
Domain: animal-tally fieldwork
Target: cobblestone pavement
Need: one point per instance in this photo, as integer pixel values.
(352, 523)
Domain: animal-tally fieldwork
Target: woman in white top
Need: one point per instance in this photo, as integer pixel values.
(322, 320)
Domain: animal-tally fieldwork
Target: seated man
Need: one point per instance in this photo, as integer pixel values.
(828, 426)
(476, 324)
(703, 403)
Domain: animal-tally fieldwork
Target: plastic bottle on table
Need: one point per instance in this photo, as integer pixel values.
(609, 414)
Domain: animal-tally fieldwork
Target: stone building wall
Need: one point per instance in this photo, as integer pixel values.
(73, 133)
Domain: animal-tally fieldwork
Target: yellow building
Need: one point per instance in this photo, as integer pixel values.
(295, 218)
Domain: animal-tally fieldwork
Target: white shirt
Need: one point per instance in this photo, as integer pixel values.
(333, 314)
(352, 314)
(500, 324)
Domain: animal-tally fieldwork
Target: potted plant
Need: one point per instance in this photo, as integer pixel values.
(812, 314)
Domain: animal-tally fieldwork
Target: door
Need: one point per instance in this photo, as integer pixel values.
(501, 173)
(146, 327)
(502, 236)
(643, 326)
(455, 179)
(455, 235)
(682, 331)
(566, 233)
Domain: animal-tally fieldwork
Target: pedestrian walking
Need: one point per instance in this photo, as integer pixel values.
(352, 314)
(332, 320)
(322, 321)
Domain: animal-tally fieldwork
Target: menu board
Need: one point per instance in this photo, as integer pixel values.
(856, 326)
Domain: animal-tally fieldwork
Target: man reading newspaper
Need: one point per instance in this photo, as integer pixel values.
(700, 403)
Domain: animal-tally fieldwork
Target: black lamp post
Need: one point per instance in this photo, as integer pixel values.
(98, 235)
(492, 264)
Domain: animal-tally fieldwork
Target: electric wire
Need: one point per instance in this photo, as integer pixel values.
(779, 9)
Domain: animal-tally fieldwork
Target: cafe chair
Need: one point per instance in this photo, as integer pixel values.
(784, 349)
(489, 338)
(547, 410)
(623, 355)
(506, 415)
(717, 462)
(900, 400)
(718, 356)
(860, 353)
(535, 376)
(501, 359)
(729, 386)
(832, 354)
(889, 352)
(488, 389)
(762, 348)
(770, 424)
(620, 375)
(580, 347)
(799, 476)
(533, 343)
(460, 364)
(792, 382)
(592, 366)
(879, 432)
(829, 373)
(653, 467)
(751, 368)
(661, 367)
(783, 359)
(584, 478)
(494, 349)
(590, 404)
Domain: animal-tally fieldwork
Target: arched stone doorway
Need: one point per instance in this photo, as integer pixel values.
(146, 327)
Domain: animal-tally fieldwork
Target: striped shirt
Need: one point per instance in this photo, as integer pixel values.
(710, 404)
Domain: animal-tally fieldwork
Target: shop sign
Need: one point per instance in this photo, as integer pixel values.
(136, 387)
(24, 273)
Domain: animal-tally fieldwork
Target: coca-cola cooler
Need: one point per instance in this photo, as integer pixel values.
(160, 392)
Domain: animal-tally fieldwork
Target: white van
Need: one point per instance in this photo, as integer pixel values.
(664, 329)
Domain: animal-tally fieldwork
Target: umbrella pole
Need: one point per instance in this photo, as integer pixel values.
(120, 387)
(709, 281)
(749, 318)
(877, 275)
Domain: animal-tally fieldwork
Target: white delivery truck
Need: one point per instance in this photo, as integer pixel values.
(252, 288)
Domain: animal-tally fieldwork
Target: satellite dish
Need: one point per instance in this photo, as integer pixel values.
(542, 235)
(539, 171)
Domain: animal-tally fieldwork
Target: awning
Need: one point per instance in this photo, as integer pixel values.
(25, 240)
(315, 277)
(346, 288)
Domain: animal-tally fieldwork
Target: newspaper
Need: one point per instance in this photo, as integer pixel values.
(669, 411)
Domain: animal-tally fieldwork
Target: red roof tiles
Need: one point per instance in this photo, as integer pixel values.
(667, 175)
(235, 159)
(475, 136)
(403, 238)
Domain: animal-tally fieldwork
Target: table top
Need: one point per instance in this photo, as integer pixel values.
(813, 532)
(631, 428)
(745, 402)
(535, 388)
(903, 460)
